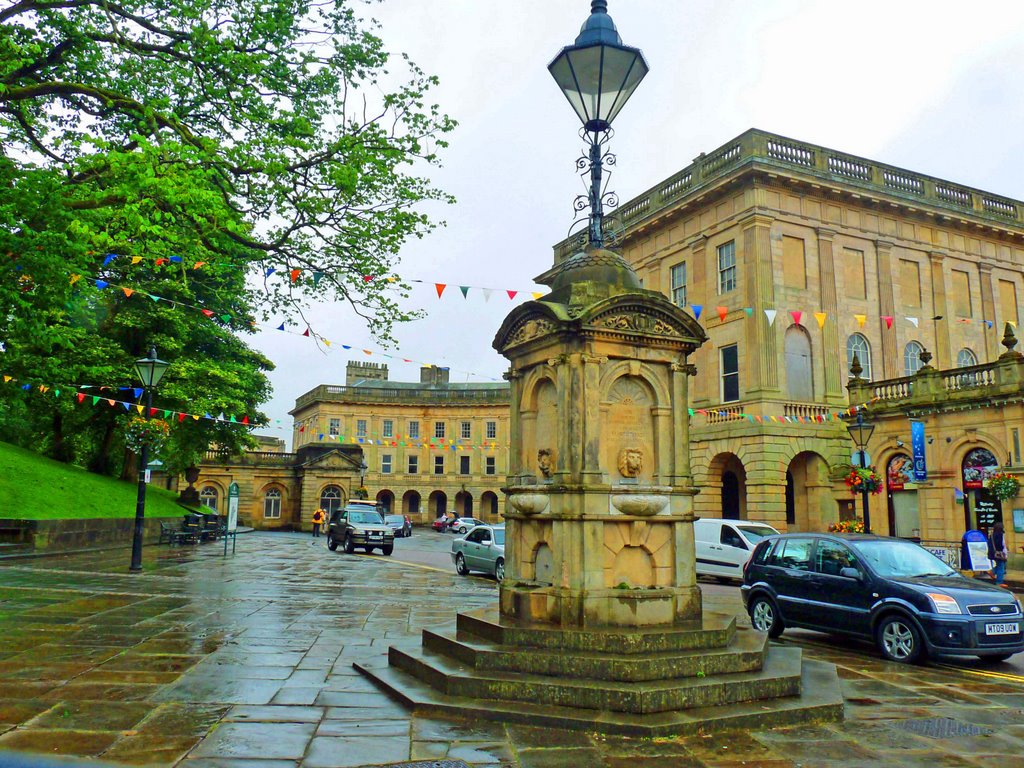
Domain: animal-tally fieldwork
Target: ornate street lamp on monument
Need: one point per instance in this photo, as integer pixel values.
(150, 370)
(598, 74)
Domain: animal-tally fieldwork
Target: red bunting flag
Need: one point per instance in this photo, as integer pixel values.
(295, 274)
(306, 332)
(796, 314)
(161, 261)
(511, 294)
(439, 287)
(722, 312)
(888, 321)
(245, 419)
(198, 264)
(152, 412)
(80, 396)
(181, 417)
(207, 312)
(367, 278)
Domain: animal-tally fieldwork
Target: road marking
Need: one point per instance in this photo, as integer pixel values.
(985, 673)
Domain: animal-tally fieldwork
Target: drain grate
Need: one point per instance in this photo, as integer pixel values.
(942, 728)
(429, 764)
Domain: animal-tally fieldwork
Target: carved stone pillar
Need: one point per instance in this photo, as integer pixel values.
(681, 424)
(592, 416)
(988, 311)
(832, 351)
(761, 348)
(886, 305)
(943, 357)
(515, 424)
(698, 281)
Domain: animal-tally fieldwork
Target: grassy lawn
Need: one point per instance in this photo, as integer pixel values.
(36, 488)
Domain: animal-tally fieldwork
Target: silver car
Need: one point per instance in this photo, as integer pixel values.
(482, 549)
(463, 524)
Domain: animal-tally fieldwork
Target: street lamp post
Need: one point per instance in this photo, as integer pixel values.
(150, 370)
(362, 473)
(597, 74)
(861, 433)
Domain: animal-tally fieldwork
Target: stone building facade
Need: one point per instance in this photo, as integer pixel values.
(796, 256)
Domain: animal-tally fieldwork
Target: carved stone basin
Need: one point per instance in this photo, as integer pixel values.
(529, 503)
(641, 504)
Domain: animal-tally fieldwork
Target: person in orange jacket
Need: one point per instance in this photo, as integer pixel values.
(318, 520)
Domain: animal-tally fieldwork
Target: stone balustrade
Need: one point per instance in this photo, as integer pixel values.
(770, 152)
(448, 396)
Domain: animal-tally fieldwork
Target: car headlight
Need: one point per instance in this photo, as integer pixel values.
(944, 603)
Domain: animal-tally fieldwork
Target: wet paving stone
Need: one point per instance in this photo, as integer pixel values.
(57, 742)
(150, 749)
(87, 716)
(20, 711)
(257, 741)
(350, 752)
(273, 714)
(559, 758)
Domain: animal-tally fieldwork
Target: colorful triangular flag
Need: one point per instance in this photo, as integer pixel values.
(770, 314)
(821, 317)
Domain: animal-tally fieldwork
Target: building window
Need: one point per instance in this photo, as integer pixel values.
(730, 373)
(439, 429)
(962, 294)
(465, 430)
(414, 464)
(330, 500)
(334, 427)
(414, 430)
(385, 463)
(208, 497)
(439, 465)
(272, 503)
(966, 358)
(490, 465)
(727, 267)
(463, 465)
(677, 277)
(388, 428)
(912, 358)
(360, 427)
(858, 345)
(794, 263)
(491, 430)
(1015, 432)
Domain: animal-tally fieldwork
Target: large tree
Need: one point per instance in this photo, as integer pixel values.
(266, 142)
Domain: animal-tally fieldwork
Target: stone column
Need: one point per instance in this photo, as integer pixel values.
(515, 425)
(988, 310)
(592, 417)
(566, 407)
(832, 351)
(886, 306)
(943, 358)
(699, 281)
(758, 273)
(664, 443)
(681, 424)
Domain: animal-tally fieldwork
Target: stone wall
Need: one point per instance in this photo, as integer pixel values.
(55, 535)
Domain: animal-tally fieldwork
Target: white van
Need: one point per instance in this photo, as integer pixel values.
(724, 546)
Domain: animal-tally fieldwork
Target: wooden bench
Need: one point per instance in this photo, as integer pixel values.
(171, 535)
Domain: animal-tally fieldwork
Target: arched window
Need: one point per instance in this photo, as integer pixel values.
(208, 497)
(858, 345)
(912, 358)
(330, 500)
(966, 358)
(272, 503)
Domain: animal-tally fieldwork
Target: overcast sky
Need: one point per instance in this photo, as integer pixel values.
(933, 87)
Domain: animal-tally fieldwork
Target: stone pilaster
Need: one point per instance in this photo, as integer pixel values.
(681, 424)
(832, 350)
(943, 357)
(759, 278)
(592, 416)
(515, 424)
(988, 311)
(703, 389)
(887, 307)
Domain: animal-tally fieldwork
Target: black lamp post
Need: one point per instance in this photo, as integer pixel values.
(150, 370)
(861, 433)
(362, 473)
(597, 74)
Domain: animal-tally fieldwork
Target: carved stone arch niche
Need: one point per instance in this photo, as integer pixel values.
(539, 415)
(628, 431)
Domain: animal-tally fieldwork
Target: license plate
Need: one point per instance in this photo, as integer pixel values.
(1002, 629)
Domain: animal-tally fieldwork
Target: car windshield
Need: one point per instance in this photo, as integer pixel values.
(395, 519)
(364, 518)
(755, 533)
(499, 536)
(899, 559)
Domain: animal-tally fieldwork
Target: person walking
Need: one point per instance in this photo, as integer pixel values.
(318, 520)
(998, 553)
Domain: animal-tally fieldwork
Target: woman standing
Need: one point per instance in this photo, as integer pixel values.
(998, 553)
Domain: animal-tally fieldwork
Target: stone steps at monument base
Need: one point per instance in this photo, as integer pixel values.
(746, 653)
(715, 630)
(820, 701)
(780, 676)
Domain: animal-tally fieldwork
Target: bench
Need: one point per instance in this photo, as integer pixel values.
(171, 535)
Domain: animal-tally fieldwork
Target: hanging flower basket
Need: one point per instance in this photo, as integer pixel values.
(847, 526)
(361, 493)
(151, 432)
(866, 479)
(1003, 486)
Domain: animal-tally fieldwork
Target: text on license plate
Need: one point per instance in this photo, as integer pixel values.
(1002, 629)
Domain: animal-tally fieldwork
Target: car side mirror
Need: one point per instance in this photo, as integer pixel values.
(850, 573)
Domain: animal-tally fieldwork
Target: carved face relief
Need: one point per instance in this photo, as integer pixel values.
(544, 462)
(631, 461)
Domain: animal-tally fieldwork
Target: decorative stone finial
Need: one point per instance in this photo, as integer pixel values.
(855, 369)
(1009, 341)
(925, 357)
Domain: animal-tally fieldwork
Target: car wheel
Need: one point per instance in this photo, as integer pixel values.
(349, 546)
(387, 550)
(460, 565)
(995, 659)
(462, 529)
(499, 570)
(765, 616)
(899, 640)
(331, 543)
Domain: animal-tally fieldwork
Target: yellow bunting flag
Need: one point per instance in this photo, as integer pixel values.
(861, 319)
(820, 317)
(138, 408)
(75, 279)
(537, 295)
(136, 259)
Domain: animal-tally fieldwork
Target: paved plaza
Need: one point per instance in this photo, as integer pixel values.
(203, 661)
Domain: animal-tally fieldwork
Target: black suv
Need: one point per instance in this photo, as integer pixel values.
(360, 524)
(888, 590)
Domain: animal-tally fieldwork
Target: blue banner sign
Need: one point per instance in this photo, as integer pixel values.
(917, 444)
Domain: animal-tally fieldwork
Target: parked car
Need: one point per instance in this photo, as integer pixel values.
(482, 549)
(891, 591)
(441, 524)
(464, 524)
(400, 524)
(724, 546)
(360, 524)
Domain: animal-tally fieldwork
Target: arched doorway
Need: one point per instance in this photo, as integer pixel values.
(981, 508)
(901, 494)
(810, 506)
(387, 500)
(411, 503)
(438, 503)
(725, 492)
(730, 496)
(799, 373)
(464, 504)
(489, 504)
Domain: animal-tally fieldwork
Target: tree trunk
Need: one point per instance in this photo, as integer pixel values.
(100, 461)
(61, 450)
